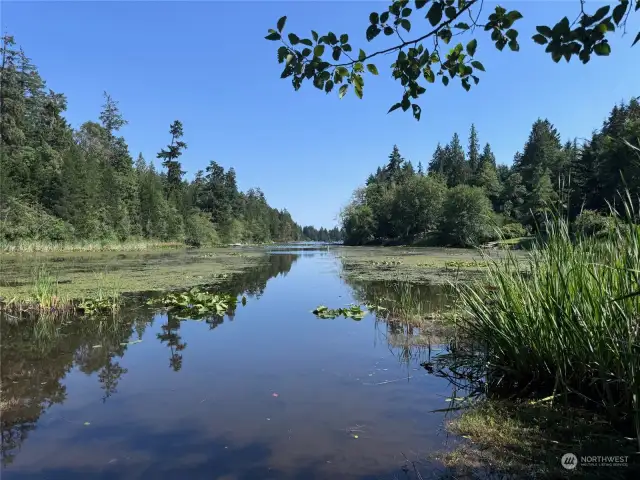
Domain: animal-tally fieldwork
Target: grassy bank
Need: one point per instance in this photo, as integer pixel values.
(31, 246)
(55, 280)
(525, 440)
(568, 324)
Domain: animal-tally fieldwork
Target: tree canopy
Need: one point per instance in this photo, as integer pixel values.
(455, 204)
(330, 61)
(63, 184)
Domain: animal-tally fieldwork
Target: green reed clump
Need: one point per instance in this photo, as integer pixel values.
(567, 316)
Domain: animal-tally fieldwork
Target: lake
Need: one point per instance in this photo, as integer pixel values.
(267, 391)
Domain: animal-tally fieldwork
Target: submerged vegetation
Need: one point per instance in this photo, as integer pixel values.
(354, 312)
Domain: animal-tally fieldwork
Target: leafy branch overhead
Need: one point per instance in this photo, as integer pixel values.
(330, 60)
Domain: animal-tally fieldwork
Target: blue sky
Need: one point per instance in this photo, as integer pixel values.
(207, 64)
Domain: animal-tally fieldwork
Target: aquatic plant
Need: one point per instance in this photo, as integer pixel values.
(354, 312)
(198, 302)
(568, 323)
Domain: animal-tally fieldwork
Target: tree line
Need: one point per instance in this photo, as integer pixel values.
(62, 184)
(465, 198)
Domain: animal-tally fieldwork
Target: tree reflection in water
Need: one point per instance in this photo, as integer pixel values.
(36, 355)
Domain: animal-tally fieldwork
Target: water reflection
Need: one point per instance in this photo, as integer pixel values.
(36, 355)
(185, 403)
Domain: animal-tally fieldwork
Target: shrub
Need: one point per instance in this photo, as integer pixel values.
(513, 230)
(590, 222)
(199, 230)
(467, 218)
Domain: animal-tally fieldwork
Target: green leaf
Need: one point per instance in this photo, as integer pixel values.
(514, 15)
(450, 12)
(306, 52)
(619, 12)
(372, 69)
(406, 12)
(344, 38)
(466, 84)
(342, 71)
(477, 65)
(336, 53)
(445, 80)
(384, 17)
(361, 55)
(544, 30)
(475, 79)
(429, 76)
(405, 104)
(416, 111)
(406, 24)
(281, 23)
(358, 90)
(346, 47)
(462, 26)
(343, 90)
(421, 3)
(282, 53)
(357, 80)
(388, 30)
(318, 51)
(273, 36)
(540, 39)
(293, 38)
(328, 86)
(374, 18)
(372, 32)
(314, 34)
(602, 49)
(307, 42)
(435, 14)
(512, 34)
(332, 38)
(514, 46)
(600, 14)
(471, 47)
(556, 56)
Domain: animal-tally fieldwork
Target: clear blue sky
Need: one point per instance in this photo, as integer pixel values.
(207, 64)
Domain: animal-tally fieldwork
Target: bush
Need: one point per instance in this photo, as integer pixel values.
(590, 223)
(513, 230)
(199, 230)
(19, 221)
(467, 216)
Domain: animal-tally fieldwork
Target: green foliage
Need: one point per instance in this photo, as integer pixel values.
(467, 216)
(198, 303)
(566, 317)
(354, 312)
(513, 230)
(199, 230)
(419, 61)
(60, 185)
(590, 223)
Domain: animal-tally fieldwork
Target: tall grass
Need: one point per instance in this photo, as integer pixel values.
(29, 246)
(567, 316)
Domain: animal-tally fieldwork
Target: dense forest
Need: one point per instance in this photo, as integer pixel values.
(465, 198)
(62, 184)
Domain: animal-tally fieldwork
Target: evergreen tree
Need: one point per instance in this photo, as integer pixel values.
(474, 150)
(170, 158)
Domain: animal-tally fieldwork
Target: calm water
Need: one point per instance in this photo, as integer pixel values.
(268, 392)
